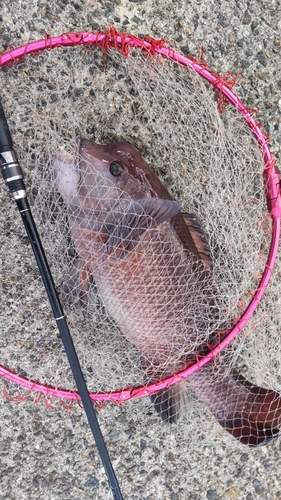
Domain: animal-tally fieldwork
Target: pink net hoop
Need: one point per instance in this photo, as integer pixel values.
(122, 43)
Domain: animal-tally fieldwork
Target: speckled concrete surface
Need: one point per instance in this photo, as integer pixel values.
(50, 454)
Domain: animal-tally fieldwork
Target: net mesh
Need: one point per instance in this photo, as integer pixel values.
(130, 332)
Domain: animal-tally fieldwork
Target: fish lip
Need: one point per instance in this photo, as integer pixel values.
(62, 155)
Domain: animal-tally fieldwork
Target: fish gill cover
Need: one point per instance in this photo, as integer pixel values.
(210, 164)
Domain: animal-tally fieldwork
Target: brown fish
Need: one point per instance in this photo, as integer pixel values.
(153, 271)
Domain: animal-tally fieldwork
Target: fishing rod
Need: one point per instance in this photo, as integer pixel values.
(13, 176)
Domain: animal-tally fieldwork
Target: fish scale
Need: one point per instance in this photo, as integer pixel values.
(164, 305)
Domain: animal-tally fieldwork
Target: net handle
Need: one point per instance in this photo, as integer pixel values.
(122, 42)
(13, 177)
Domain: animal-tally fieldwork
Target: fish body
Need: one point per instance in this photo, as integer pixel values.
(153, 270)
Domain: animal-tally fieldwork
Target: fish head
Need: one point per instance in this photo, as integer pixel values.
(99, 176)
(110, 189)
(123, 170)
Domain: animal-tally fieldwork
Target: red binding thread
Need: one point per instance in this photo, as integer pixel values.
(68, 406)
(229, 80)
(17, 397)
(111, 40)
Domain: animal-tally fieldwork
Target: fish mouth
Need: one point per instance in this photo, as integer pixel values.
(65, 174)
(63, 156)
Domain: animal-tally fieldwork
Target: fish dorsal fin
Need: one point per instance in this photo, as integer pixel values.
(199, 239)
(130, 220)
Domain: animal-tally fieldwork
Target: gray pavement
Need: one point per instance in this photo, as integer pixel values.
(49, 453)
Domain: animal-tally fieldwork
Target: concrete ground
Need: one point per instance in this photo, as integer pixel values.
(50, 454)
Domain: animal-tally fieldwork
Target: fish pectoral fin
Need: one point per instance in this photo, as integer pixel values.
(199, 239)
(77, 283)
(131, 219)
(171, 403)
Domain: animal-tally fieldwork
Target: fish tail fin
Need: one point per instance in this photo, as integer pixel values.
(171, 402)
(250, 413)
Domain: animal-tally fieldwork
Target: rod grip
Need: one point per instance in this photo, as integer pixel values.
(6, 143)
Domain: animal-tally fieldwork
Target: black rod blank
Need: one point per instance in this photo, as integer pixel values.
(13, 176)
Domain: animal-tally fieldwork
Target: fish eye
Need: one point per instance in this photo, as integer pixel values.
(115, 168)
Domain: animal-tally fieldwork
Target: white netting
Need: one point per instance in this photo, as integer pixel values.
(211, 165)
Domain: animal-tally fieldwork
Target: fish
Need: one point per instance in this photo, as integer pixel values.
(153, 270)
